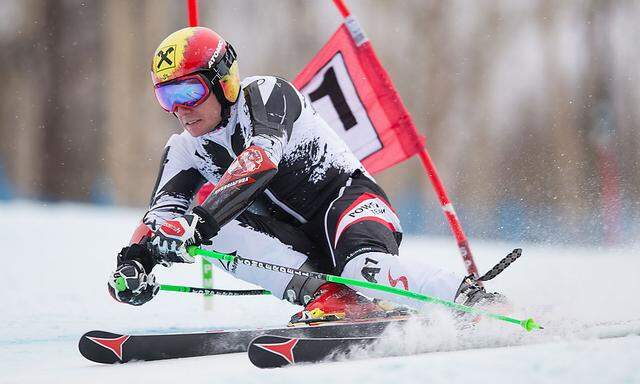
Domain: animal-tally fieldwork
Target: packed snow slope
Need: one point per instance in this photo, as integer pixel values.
(56, 260)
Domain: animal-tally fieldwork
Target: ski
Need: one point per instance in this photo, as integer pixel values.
(274, 351)
(109, 348)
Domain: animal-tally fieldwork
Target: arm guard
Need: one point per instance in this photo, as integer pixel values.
(247, 176)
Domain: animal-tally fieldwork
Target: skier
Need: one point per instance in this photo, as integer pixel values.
(287, 191)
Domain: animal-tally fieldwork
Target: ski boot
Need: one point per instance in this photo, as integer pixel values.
(471, 293)
(332, 302)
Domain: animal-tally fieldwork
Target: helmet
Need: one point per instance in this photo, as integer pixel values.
(198, 50)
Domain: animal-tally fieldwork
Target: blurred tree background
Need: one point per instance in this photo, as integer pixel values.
(530, 108)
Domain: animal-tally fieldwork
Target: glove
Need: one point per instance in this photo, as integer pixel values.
(169, 243)
(130, 283)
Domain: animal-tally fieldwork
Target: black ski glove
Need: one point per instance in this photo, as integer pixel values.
(132, 282)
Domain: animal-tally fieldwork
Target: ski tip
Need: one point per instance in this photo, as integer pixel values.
(103, 347)
(270, 351)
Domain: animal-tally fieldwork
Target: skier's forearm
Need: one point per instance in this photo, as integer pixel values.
(246, 177)
(142, 231)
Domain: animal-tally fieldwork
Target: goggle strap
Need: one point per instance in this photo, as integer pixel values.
(225, 62)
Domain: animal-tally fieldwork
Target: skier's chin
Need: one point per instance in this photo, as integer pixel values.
(197, 128)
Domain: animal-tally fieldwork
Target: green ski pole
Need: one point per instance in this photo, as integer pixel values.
(214, 291)
(528, 324)
(207, 282)
(121, 285)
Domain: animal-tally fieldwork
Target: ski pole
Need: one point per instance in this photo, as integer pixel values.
(528, 324)
(212, 291)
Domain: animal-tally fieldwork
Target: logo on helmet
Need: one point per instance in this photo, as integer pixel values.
(165, 59)
(216, 53)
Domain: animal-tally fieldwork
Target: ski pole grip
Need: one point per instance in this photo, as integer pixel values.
(192, 250)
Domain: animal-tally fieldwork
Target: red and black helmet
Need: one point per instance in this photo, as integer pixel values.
(198, 50)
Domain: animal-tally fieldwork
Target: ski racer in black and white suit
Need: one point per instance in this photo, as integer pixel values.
(287, 191)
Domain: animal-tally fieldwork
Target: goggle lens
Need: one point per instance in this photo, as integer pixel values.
(188, 92)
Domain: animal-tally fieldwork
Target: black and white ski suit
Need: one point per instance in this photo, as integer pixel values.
(290, 192)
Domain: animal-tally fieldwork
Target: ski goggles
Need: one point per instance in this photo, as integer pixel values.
(189, 91)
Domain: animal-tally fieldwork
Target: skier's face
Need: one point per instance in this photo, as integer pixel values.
(201, 119)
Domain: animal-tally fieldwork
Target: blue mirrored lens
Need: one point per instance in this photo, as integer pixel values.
(187, 92)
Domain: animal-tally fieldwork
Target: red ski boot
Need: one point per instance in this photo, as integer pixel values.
(334, 301)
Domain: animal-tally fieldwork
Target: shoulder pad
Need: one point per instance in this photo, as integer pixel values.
(281, 109)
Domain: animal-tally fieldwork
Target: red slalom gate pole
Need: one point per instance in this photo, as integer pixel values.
(445, 203)
(450, 213)
(342, 7)
(610, 191)
(192, 10)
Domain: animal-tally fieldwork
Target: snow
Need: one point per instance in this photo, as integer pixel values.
(59, 256)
